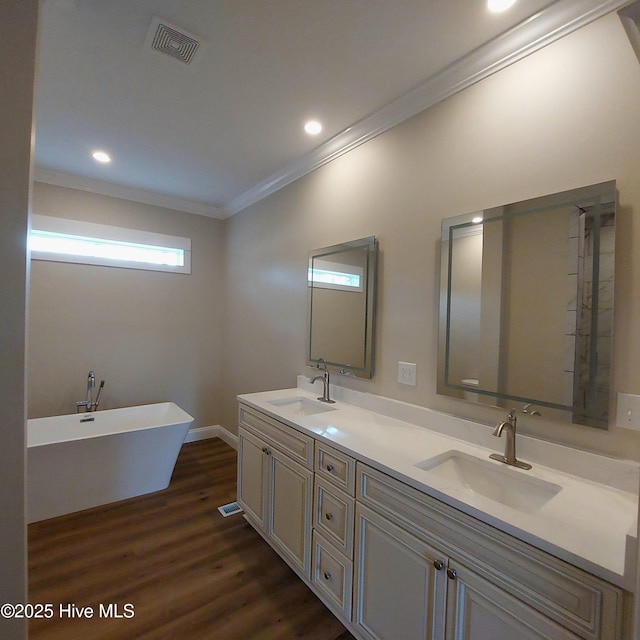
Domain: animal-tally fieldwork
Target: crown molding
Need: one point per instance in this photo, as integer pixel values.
(549, 25)
(127, 193)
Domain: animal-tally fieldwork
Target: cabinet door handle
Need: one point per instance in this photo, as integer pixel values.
(327, 575)
(265, 450)
(438, 564)
(329, 468)
(328, 516)
(452, 573)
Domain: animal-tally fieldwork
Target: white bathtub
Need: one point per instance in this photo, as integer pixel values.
(83, 460)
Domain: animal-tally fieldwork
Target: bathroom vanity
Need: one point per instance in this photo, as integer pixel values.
(397, 519)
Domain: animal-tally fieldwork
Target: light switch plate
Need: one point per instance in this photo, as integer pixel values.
(407, 373)
(628, 411)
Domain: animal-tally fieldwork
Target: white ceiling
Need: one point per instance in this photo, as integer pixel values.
(219, 134)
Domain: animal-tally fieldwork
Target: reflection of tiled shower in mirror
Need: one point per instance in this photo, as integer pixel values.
(595, 229)
(575, 269)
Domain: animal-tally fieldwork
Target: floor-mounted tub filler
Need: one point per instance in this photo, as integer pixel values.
(83, 460)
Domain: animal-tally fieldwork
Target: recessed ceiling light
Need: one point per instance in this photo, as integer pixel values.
(313, 127)
(500, 5)
(101, 156)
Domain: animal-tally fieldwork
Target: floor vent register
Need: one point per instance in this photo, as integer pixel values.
(230, 509)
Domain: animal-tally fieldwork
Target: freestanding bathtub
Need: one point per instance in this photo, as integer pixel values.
(84, 460)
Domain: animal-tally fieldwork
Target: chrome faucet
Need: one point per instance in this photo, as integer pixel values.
(89, 404)
(509, 457)
(324, 376)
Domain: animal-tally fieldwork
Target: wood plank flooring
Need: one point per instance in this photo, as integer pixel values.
(188, 572)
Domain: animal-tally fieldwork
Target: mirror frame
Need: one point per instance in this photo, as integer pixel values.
(370, 244)
(602, 194)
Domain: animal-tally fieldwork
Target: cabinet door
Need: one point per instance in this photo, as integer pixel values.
(399, 593)
(290, 501)
(251, 476)
(479, 610)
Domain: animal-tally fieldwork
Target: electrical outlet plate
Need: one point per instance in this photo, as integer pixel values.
(628, 411)
(407, 373)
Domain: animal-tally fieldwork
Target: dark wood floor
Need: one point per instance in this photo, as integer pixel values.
(188, 572)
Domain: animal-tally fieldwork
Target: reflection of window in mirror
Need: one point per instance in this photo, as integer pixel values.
(341, 283)
(332, 275)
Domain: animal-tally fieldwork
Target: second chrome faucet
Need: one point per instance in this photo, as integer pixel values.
(509, 457)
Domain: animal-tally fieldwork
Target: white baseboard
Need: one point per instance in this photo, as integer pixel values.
(214, 431)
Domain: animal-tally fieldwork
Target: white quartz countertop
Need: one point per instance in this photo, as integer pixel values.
(590, 524)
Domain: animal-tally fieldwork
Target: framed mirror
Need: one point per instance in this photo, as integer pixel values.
(526, 305)
(342, 288)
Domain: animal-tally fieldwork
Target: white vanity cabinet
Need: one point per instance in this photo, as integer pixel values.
(394, 563)
(275, 485)
(408, 590)
(449, 576)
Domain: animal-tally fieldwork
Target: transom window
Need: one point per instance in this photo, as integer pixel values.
(61, 240)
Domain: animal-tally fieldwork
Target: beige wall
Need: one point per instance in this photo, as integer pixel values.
(18, 22)
(564, 117)
(152, 336)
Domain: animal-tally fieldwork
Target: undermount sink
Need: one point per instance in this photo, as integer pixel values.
(498, 483)
(299, 406)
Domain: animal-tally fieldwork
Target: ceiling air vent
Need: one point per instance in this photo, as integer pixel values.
(173, 41)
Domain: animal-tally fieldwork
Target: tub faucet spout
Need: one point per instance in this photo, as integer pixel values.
(91, 384)
(89, 404)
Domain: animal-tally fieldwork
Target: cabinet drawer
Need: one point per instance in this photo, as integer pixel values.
(586, 605)
(333, 515)
(332, 575)
(296, 445)
(336, 467)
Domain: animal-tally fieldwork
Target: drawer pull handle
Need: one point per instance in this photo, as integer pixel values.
(329, 468)
(452, 573)
(328, 516)
(438, 564)
(327, 575)
(265, 450)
